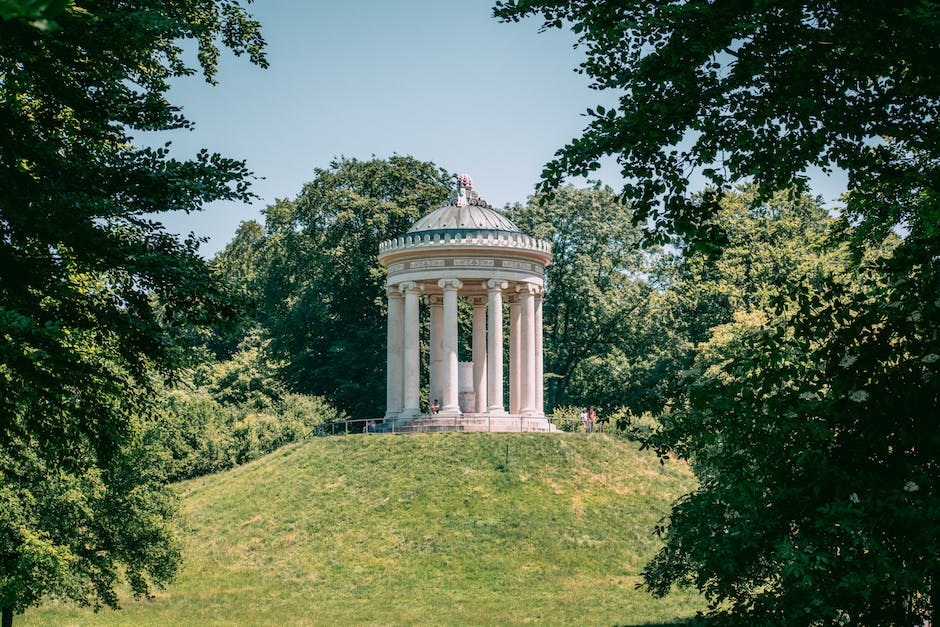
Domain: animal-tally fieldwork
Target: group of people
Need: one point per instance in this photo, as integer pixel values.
(588, 418)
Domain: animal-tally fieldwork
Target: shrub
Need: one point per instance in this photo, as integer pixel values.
(196, 435)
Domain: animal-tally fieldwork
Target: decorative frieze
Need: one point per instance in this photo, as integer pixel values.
(466, 263)
(426, 263)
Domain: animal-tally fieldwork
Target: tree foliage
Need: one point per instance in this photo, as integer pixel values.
(809, 427)
(321, 292)
(835, 520)
(597, 301)
(751, 90)
(94, 294)
(240, 266)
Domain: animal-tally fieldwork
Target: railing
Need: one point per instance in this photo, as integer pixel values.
(469, 237)
(424, 424)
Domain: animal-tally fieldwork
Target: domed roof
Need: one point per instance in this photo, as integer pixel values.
(463, 217)
(464, 223)
(464, 210)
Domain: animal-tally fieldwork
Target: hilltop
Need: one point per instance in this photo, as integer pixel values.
(419, 529)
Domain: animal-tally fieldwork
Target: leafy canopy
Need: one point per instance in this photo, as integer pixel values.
(813, 434)
(314, 276)
(809, 426)
(95, 297)
(759, 91)
(597, 299)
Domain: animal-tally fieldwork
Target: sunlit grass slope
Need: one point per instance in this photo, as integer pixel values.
(422, 530)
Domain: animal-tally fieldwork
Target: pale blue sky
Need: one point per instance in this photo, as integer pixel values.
(440, 80)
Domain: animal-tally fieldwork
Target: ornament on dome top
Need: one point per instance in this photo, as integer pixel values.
(465, 194)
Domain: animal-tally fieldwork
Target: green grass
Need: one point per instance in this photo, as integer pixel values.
(419, 530)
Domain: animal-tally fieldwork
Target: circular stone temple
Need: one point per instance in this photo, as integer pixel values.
(465, 249)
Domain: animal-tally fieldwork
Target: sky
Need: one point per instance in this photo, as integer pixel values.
(440, 80)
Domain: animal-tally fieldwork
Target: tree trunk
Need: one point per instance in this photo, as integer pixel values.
(7, 617)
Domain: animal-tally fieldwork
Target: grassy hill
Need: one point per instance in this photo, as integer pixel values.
(419, 529)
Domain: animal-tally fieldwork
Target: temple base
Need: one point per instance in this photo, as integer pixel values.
(495, 423)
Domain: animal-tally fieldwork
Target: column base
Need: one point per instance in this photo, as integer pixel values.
(497, 411)
(450, 410)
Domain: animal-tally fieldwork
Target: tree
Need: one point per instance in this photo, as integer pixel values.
(324, 292)
(815, 448)
(597, 300)
(94, 295)
(747, 90)
(836, 386)
(767, 244)
(240, 266)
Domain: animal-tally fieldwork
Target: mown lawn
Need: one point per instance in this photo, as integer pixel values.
(419, 530)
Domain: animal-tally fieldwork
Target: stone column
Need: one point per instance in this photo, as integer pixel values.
(450, 403)
(479, 354)
(393, 363)
(494, 353)
(539, 356)
(527, 349)
(514, 369)
(436, 357)
(410, 349)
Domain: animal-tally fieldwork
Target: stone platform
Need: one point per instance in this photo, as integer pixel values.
(434, 423)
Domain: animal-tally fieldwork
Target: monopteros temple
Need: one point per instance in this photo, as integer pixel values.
(465, 249)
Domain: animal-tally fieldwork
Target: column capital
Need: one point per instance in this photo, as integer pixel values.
(409, 287)
(478, 301)
(436, 300)
(393, 291)
(450, 284)
(528, 288)
(495, 284)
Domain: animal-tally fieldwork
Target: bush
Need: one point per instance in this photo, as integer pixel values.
(567, 417)
(197, 435)
(192, 436)
(634, 426)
